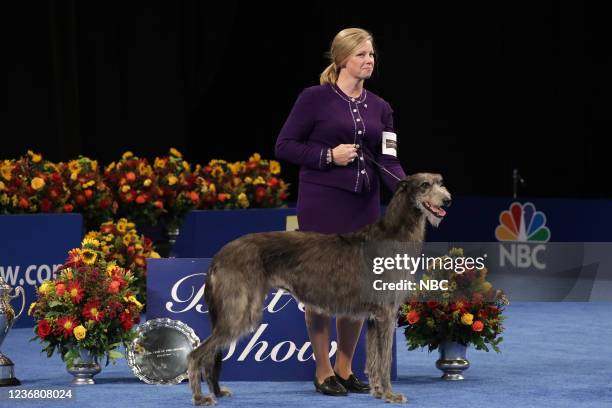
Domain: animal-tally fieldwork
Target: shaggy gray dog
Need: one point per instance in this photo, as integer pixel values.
(329, 273)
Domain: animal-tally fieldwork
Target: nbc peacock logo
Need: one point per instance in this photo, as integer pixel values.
(522, 223)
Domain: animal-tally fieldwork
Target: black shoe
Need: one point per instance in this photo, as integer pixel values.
(330, 386)
(352, 384)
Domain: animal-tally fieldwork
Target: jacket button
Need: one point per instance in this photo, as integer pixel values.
(362, 171)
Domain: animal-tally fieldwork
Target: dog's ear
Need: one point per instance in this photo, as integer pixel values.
(403, 185)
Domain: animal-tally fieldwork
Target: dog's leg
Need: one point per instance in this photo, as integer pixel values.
(386, 332)
(373, 355)
(195, 369)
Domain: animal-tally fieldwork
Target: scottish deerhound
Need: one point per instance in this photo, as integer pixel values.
(329, 273)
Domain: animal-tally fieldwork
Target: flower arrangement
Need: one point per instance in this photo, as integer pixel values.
(89, 194)
(469, 312)
(254, 183)
(121, 245)
(89, 306)
(134, 183)
(31, 185)
(180, 189)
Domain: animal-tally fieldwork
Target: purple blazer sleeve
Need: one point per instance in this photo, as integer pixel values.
(391, 163)
(292, 144)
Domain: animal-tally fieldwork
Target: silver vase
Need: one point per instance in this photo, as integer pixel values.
(452, 361)
(84, 368)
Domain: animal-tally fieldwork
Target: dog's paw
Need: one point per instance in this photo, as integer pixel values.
(395, 398)
(225, 392)
(376, 391)
(204, 400)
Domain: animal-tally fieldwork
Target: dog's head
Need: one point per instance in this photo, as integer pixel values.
(428, 195)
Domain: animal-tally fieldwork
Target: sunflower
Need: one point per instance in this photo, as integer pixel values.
(127, 155)
(6, 169)
(175, 153)
(34, 156)
(172, 180)
(89, 256)
(255, 157)
(90, 241)
(159, 163)
(74, 166)
(275, 167)
(186, 166)
(217, 172)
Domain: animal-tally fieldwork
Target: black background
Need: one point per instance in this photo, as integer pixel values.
(477, 89)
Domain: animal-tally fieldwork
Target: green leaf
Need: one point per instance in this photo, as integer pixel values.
(55, 303)
(114, 355)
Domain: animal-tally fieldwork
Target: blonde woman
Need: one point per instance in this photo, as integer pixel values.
(332, 132)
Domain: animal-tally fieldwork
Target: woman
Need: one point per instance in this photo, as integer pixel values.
(333, 132)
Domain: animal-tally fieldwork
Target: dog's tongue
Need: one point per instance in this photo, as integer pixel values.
(439, 211)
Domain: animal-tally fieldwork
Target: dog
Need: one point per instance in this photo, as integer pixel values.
(328, 273)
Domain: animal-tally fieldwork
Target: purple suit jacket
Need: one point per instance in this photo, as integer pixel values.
(323, 117)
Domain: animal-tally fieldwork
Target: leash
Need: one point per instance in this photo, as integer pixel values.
(379, 165)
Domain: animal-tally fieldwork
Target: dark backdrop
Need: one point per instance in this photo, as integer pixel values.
(477, 89)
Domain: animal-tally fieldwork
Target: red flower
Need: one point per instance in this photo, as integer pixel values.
(493, 310)
(273, 182)
(158, 204)
(432, 304)
(44, 329)
(477, 298)
(56, 177)
(88, 194)
(477, 326)
(413, 317)
(126, 320)
(75, 291)
(104, 204)
(66, 325)
(141, 199)
(68, 208)
(92, 311)
(80, 199)
(60, 289)
(140, 261)
(461, 305)
(74, 258)
(482, 314)
(114, 287)
(45, 205)
(221, 197)
(24, 203)
(260, 194)
(107, 228)
(130, 176)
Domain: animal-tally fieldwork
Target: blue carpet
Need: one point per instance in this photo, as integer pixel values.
(553, 355)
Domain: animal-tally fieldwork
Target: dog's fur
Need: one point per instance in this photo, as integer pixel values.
(328, 273)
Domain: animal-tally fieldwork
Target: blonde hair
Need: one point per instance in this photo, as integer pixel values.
(343, 45)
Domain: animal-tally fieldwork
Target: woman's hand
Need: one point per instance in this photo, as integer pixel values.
(344, 154)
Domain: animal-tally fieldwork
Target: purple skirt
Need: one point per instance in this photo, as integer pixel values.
(330, 210)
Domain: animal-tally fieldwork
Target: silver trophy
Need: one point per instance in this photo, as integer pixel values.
(7, 318)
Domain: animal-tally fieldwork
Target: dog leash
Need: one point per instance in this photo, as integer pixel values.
(379, 165)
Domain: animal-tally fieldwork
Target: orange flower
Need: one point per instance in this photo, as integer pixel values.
(130, 176)
(477, 326)
(60, 289)
(413, 317)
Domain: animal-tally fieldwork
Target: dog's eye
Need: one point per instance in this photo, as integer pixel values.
(425, 184)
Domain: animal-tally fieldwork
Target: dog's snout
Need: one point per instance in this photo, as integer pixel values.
(447, 202)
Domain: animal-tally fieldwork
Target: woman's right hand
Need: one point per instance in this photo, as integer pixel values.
(344, 154)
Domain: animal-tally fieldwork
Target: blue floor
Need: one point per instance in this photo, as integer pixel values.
(553, 355)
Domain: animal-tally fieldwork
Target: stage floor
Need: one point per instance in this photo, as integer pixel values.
(553, 355)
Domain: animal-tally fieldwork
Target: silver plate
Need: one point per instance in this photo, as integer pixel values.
(158, 355)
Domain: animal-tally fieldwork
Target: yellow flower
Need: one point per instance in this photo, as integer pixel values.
(255, 157)
(35, 157)
(125, 188)
(6, 169)
(172, 180)
(122, 226)
(175, 153)
(37, 183)
(144, 169)
(89, 184)
(90, 241)
(132, 299)
(486, 286)
(275, 167)
(74, 176)
(154, 254)
(46, 287)
(248, 180)
(467, 319)
(186, 166)
(4, 199)
(80, 332)
(127, 155)
(217, 172)
(110, 166)
(94, 165)
(31, 308)
(212, 188)
(159, 163)
(74, 167)
(259, 180)
(89, 256)
(243, 200)
(2, 186)
(147, 182)
(109, 267)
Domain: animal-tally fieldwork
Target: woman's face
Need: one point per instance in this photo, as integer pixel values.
(361, 62)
